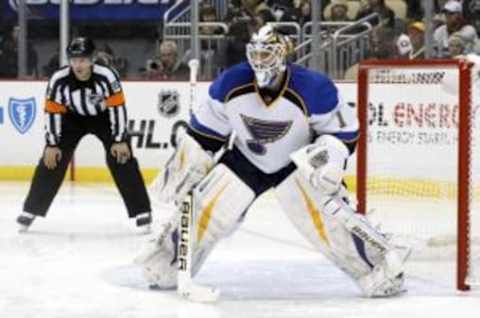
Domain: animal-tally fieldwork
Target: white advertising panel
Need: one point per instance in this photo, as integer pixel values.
(153, 108)
(413, 123)
(405, 124)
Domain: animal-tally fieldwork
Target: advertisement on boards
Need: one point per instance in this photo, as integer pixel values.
(91, 10)
(153, 109)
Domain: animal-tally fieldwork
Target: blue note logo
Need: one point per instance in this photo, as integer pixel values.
(264, 132)
(22, 113)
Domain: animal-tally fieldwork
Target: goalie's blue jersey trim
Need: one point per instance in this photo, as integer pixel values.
(347, 136)
(232, 78)
(316, 90)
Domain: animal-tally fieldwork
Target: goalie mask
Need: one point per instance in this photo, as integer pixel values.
(267, 54)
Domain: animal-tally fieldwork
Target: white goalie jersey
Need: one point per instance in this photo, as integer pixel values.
(268, 131)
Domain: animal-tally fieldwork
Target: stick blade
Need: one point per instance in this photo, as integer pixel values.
(199, 294)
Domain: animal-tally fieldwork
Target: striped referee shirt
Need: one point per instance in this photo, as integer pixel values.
(102, 92)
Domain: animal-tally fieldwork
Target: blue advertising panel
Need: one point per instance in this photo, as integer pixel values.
(90, 10)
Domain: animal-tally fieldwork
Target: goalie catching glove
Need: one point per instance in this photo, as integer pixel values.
(323, 163)
(188, 165)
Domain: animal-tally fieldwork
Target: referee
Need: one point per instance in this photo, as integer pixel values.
(85, 98)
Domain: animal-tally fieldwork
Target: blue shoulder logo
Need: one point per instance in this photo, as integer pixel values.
(22, 113)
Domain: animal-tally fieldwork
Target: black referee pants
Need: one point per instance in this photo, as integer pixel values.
(127, 177)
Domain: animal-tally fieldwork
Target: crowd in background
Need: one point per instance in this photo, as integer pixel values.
(397, 33)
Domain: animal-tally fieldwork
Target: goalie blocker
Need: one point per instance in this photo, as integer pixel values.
(323, 217)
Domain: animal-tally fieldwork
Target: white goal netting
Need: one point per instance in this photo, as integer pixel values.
(412, 160)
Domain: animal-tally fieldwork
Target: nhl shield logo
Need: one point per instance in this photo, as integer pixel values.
(22, 113)
(168, 103)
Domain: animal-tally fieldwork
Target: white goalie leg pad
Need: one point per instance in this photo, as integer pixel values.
(187, 166)
(219, 202)
(343, 236)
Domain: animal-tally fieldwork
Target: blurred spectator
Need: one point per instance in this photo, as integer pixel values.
(455, 22)
(404, 47)
(104, 56)
(246, 10)
(209, 14)
(414, 10)
(471, 11)
(263, 17)
(233, 11)
(254, 6)
(9, 55)
(283, 10)
(411, 45)
(456, 45)
(256, 12)
(439, 4)
(212, 50)
(416, 33)
(383, 45)
(238, 37)
(438, 20)
(303, 11)
(166, 65)
(339, 11)
(386, 14)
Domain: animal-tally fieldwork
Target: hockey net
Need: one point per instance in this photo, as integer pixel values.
(418, 162)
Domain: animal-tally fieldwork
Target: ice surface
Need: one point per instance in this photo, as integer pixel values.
(78, 263)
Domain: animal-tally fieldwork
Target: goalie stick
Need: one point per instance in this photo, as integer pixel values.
(186, 288)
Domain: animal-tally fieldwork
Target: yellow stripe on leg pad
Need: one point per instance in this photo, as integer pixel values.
(314, 214)
(207, 214)
(182, 159)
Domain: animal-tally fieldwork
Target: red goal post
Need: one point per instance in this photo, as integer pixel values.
(402, 72)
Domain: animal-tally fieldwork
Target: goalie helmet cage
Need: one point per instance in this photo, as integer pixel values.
(420, 73)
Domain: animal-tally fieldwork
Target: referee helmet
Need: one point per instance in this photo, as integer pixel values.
(81, 47)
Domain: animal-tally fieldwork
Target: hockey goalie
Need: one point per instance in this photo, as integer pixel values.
(293, 134)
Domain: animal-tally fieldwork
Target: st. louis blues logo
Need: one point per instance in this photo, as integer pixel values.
(22, 113)
(263, 132)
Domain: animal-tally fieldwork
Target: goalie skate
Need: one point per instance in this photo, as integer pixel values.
(387, 278)
(24, 221)
(159, 259)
